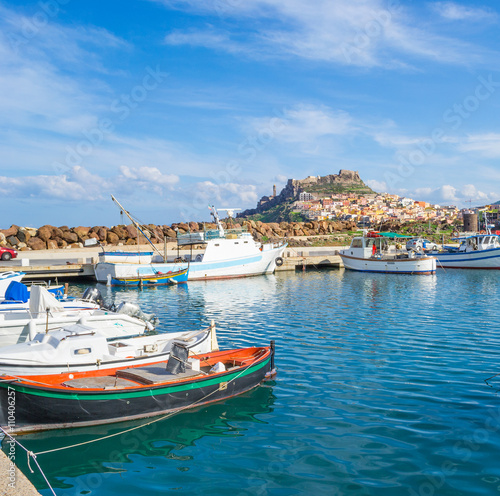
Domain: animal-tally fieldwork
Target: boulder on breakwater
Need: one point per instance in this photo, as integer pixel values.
(51, 237)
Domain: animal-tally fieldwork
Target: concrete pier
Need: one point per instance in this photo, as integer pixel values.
(312, 258)
(12, 481)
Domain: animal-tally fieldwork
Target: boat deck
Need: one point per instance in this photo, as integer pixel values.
(153, 374)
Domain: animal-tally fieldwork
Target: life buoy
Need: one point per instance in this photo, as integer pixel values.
(455, 234)
(279, 261)
(482, 232)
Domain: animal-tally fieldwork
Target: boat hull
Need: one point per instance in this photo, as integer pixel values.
(157, 279)
(417, 266)
(481, 259)
(38, 407)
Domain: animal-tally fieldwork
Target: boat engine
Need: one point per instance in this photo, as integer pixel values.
(93, 295)
(133, 310)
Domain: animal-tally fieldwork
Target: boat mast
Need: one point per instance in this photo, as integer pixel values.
(136, 224)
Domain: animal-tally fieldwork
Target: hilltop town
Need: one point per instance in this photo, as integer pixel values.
(345, 197)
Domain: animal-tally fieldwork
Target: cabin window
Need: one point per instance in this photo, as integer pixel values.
(216, 244)
(82, 351)
(357, 243)
(236, 243)
(245, 241)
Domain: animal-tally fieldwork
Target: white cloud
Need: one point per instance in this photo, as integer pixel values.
(79, 184)
(364, 33)
(456, 195)
(456, 12)
(377, 186)
(302, 124)
(224, 194)
(487, 144)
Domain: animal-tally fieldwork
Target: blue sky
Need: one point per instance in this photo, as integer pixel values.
(172, 105)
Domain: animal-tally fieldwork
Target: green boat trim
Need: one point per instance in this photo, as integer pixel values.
(147, 391)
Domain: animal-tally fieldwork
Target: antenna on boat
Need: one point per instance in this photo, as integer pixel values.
(215, 215)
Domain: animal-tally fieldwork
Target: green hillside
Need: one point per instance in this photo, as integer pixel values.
(278, 213)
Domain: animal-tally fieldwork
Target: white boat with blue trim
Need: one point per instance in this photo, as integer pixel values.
(228, 253)
(477, 251)
(371, 253)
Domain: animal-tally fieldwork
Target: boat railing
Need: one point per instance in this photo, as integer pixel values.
(192, 238)
(228, 233)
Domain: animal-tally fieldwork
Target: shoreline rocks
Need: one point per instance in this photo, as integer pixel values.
(51, 237)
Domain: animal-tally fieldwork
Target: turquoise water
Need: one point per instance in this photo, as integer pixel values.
(380, 391)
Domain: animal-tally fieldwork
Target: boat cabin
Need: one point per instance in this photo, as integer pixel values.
(368, 246)
(479, 242)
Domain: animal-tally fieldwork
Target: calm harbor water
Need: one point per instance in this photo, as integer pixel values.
(380, 391)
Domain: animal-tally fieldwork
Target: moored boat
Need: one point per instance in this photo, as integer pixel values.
(90, 398)
(227, 253)
(477, 251)
(44, 313)
(78, 348)
(372, 253)
(156, 279)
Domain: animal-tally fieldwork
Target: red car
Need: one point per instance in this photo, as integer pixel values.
(7, 253)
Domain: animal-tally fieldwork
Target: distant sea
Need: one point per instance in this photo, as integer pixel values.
(380, 391)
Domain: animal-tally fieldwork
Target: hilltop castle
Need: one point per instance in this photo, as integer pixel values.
(294, 187)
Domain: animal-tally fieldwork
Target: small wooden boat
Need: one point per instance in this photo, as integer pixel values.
(155, 279)
(103, 396)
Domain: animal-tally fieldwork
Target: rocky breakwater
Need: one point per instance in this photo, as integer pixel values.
(50, 237)
(295, 232)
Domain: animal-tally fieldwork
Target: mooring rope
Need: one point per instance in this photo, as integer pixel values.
(28, 455)
(138, 426)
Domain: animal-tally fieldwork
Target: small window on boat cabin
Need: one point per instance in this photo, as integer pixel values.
(216, 244)
(357, 243)
(245, 241)
(82, 351)
(236, 242)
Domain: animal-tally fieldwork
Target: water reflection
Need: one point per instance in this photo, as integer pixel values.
(167, 438)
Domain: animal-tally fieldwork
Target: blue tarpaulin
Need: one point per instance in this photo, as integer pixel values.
(17, 291)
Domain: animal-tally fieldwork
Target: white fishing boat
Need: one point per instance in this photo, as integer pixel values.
(126, 257)
(477, 251)
(226, 254)
(45, 313)
(6, 278)
(372, 253)
(82, 348)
